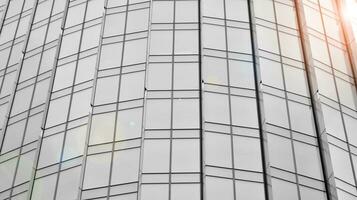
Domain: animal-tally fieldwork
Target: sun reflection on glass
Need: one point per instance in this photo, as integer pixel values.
(350, 14)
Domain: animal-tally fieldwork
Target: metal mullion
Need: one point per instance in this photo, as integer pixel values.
(259, 102)
(89, 125)
(70, 100)
(229, 99)
(48, 99)
(172, 95)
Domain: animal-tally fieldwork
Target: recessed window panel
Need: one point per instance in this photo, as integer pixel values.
(135, 52)
(247, 154)
(216, 108)
(64, 76)
(159, 76)
(132, 86)
(241, 74)
(219, 188)
(90, 37)
(244, 111)
(119, 20)
(102, 128)
(51, 149)
(158, 114)
(185, 113)
(111, 55)
(326, 84)
(94, 164)
(218, 149)
(308, 160)
(186, 11)
(314, 17)
(275, 110)
(213, 8)
(107, 90)
(75, 14)
(333, 122)
(186, 42)
(285, 15)
(13, 136)
(319, 50)
(185, 155)
(85, 69)
(68, 184)
(309, 193)
(249, 190)
(267, 39)
(214, 36)
(351, 127)
(156, 156)
(301, 118)
(264, 9)
(7, 172)
(215, 70)
(22, 100)
(290, 46)
(280, 152)
(154, 191)
(48, 182)
(75, 142)
(128, 124)
(283, 190)
(125, 166)
(295, 80)
(25, 168)
(185, 192)
(347, 93)
(341, 164)
(58, 111)
(231, 10)
(239, 40)
(70, 44)
(186, 76)
(163, 11)
(95, 9)
(161, 42)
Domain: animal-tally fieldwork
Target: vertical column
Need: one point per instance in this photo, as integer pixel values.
(233, 154)
(171, 149)
(59, 154)
(23, 123)
(337, 91)
(294, 154)
(112, 153)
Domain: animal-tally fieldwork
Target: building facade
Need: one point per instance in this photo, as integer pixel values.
(178, 100)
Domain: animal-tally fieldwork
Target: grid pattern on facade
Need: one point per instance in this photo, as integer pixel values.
(177, 99)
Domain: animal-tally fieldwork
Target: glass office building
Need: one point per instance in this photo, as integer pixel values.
(178, 100)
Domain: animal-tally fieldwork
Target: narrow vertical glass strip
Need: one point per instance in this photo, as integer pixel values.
(171, 146)
(232, 132)
(114, 132)
(23, 125)
(60, 149)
